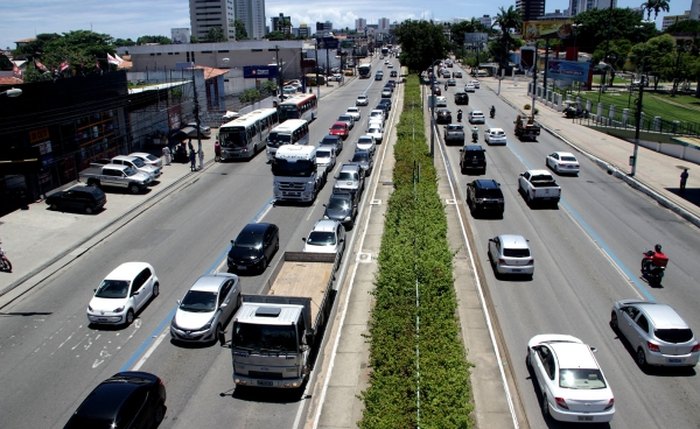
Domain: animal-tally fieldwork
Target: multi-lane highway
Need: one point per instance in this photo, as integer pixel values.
(587, 254)
(52, 359)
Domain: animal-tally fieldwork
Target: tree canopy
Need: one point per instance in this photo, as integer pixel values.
(422, 43)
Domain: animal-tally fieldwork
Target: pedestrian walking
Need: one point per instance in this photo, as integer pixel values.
(217, 151)
(193, 160)
(684, 179)
(201, 158)
(166, 155)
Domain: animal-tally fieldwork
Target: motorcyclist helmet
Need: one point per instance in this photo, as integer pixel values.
(657, 248)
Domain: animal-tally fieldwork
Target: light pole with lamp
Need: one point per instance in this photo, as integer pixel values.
(638, 118)
(432, 108)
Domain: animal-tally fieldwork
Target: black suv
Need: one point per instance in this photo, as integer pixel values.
(473, 157)
(461, 98)
(332, 141)
(485, 196)
(342, 206)
(84, 199)
(443, 116)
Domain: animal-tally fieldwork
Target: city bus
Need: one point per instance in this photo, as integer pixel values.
(302, 106)
(364, 70)
(291, 131)
(245, 136)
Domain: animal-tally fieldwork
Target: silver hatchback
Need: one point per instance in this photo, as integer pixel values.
(510, 254)
(657, 334)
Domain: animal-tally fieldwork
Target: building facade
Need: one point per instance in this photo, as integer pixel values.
(360, 25)
(206, 15)
(579, 6)
(282, 24)
(384, 25)
(530, 10)
(252, 14)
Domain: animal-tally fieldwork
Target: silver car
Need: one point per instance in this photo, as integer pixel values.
(206, 308)
(510, 254)
(656, 333)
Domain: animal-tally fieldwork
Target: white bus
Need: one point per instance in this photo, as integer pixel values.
(302, 106)
(291, 131)
(245, 136)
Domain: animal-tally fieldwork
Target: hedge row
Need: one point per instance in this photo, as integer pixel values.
(415, 253)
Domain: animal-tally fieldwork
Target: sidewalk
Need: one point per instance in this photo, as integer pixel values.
(657, 175)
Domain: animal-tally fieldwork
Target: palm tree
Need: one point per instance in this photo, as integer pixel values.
(506, 20)
(656, 6)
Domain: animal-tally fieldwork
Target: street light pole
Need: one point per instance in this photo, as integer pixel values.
(196, 109)
(638, 118)
(534, 84)
(432, 109)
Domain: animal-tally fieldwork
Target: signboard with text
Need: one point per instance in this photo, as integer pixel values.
(568, 70)
(260, 72)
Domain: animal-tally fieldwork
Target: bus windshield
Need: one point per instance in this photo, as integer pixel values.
(288, 111)
(278, 139)
(299, 168)
(233, 137)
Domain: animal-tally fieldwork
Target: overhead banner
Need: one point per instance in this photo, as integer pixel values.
(259, 72)
(568, 70)
(533, 30)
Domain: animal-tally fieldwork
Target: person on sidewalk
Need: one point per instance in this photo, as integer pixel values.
(166, 155)
(217, 151)
(684, 179)
(193, 160)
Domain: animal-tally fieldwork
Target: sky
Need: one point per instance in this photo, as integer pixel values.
(133, 18)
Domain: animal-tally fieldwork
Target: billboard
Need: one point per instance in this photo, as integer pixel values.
(327, 43)
(475, 38)
(533, 30)
(260, 72)
(568, 70)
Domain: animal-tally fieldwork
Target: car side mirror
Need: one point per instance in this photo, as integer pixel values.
(179, 302)
(303, 239)
(492, 240)
(223, 305)
(233, 242)
(594, 350)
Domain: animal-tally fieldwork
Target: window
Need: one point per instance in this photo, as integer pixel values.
(643, 323)
(225, 290)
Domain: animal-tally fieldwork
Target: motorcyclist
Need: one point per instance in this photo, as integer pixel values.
(493, 112)
(445, 86)
(475, 134)
(459, 115)
(654, 258)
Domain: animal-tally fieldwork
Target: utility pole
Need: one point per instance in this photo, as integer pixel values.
(279, 72)
(638, 118)
(534, 84)
(196, 109)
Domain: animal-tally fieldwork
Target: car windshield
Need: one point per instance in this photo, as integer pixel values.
(338, 204)
(581, 378)
(329, 141)
(322, 153)
(339, 126)
(360, 156)
(249, 241)
(374, 131)
(674, 335)
(199, 302)
(346, 176)
(321, 238)
(113, 289)
(516, 253)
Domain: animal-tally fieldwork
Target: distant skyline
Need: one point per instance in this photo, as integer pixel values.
(131, 19)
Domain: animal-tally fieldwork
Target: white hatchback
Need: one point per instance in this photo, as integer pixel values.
(148, 158)
(354, 112)
(366, 142)
(327, 236)
(495, 136)
(376, 132)
(123, 293)
(510, 254)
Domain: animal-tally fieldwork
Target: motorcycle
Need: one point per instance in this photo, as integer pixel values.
(492, 113)
(475, 136)
(653, 268)
(5, 264)
(459, 115)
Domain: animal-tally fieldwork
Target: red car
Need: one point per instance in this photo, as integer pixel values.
(340, 129)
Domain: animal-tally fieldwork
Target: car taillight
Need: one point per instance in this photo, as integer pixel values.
(653, 347)
(611, 402)
(561, 403)
(696, 348)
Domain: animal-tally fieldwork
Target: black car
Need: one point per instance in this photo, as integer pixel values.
(443, 116)
(393, 73)
(461, 98)
(342, 206)
(254, 247)
(364, 158)
(333, 141)
(472, 157)
(485, 196)
(131, 399)
(387, 102)
(437, 90)
(84, 199)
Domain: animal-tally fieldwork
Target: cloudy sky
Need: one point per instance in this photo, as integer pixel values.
(131, 18)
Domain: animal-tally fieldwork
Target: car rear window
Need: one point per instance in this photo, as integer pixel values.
(516, 253)
(492, 193)
(581, 379)
(674, 335)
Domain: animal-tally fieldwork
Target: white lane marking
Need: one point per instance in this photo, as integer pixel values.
(150, 350)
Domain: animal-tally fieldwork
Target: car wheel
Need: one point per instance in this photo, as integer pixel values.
(156, 289)
(545, 407)
(129, 317)
(53, 207)
(89, 210)
(264, 263)
(134, 189)
(613, 321)
(159, 414)
(641, 358)
(528, 360)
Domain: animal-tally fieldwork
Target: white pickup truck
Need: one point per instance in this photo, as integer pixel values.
(539, 186)
(118, 176)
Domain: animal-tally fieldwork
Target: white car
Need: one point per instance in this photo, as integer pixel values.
(377, 113)
(510, 254)
(495, 136)
(440, 101)
(377, 133)
(572, 385)
(138, 164)
(122, 294)
(361, 100)
(148, 158)
(469, 87)
(476, 83)
(325, 157)
(327, 236)
(204, 311)
(656, 333)
(477, 117)
(366, 142)
(354, 112)
(563, 162)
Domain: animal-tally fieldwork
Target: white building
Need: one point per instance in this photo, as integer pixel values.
(252, 14)
(205, 16)
(360, 25)
(578, 6)
(383, 25)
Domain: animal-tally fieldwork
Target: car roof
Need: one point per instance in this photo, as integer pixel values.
(107, 398)
(255, 228)
(349, 166)
(326, 225)
(514, 241)
(573, 355)
(486, 184)
(128, 270)
(662, 315)
(476, 112)
(564, 153)
(340, 123)
(141, 154)
(330, 137)
(496, 130)
(124, 157)
(474, 147)
(211, 282)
